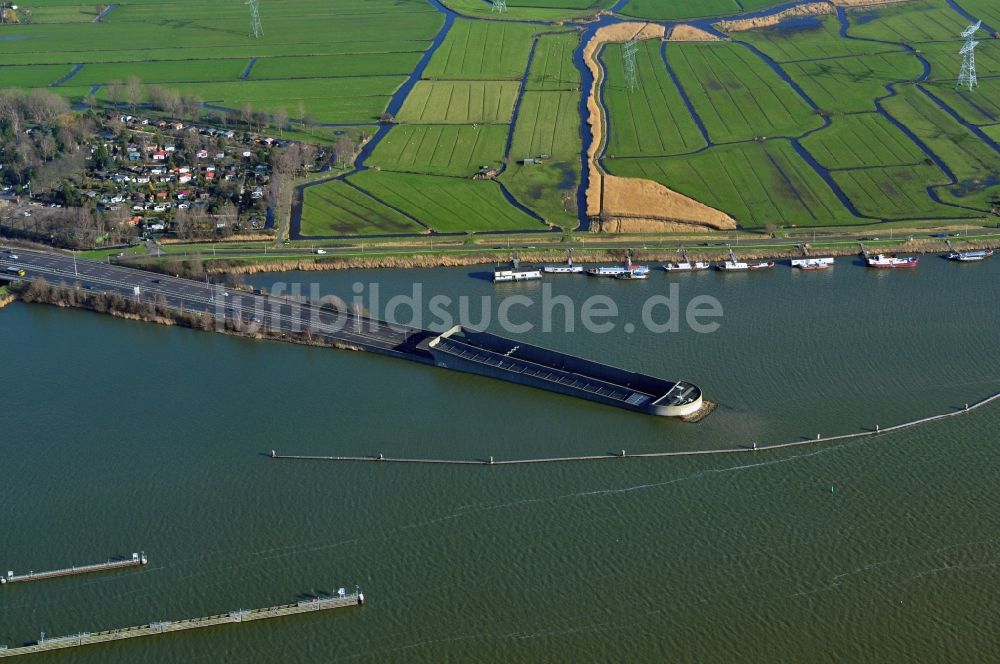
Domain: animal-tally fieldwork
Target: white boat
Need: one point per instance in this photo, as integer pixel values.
(687, 266)
(970, 256)
(500, 276)
(568, 268)
(811, 263)
(515, 272)
(616, 271)
(735, 265)
(744, 266)
(883, 261)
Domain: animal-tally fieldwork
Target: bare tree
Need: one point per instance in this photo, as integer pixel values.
(133, 91)
(280, 119)
(246, 114)
(115, 91)
(43, 107)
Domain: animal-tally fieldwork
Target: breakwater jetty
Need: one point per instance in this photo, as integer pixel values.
(341, 600)
(745, 448)
(137, 560)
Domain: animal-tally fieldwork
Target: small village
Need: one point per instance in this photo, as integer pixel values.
(148, 176)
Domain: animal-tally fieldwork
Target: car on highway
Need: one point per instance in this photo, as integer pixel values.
(12, 256)
(19, 271)
(321, 251)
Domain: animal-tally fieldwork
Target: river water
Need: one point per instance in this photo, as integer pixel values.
(120, 436)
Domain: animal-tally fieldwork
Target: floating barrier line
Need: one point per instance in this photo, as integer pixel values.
(752, 448)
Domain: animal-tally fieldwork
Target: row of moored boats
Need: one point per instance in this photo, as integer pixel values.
(628, 270)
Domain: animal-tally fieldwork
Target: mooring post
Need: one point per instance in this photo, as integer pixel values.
(623, 454)
(755, 447)
(967, 406)
(876, 428)
(381, 457)
(273, 455)
(491, 460)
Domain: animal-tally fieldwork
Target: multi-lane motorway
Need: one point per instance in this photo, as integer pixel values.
(278, 315)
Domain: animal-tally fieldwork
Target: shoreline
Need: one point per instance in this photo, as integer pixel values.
(923, 247)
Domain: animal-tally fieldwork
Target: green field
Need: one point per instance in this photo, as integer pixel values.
(337, 208)
(456, 150)
(190, 44)
(552, 67)
(530, 10)
(737, 95)
(459, 102)
(770, 157)
(32, 76)
(851, 84)
(863, 140)
(447, 205)
(548, 125)
(757, 183)
(897, 192)
(481, 50)
(653, 119)
(665, 10)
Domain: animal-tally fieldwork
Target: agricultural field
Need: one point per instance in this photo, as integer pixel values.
(668, 10)
(898, 192)
(530, 10)
(548, 124)
(820, 120)
(456, 150)
(337, 208)
(737, 95)
(860, 141)
(757, 183)
(552, 67)
(447, 205)
(812, 38)
(852, 84)
(653, 119)
(203, 49)
(481, 50)
(913, 23)
(459, 102)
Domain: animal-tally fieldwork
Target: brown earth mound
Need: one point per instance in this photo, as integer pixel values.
(633, 203)
(689, 33)
(742, 25)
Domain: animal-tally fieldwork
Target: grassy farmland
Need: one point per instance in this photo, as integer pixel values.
(795, 124)
(653, 119)
(447, 205)
(456, 150)
(337, 208)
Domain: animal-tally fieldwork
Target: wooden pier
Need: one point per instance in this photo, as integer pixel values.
(137, 560)
(338, 601)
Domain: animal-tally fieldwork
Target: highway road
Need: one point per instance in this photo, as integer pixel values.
(253, 312)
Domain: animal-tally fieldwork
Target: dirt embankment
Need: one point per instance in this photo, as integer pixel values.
(5, 299)
(689, 33)
(632, 204)
(810, 9)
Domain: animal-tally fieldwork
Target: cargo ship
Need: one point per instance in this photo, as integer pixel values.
(568, 268)
(515, 272)
(882, 261)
